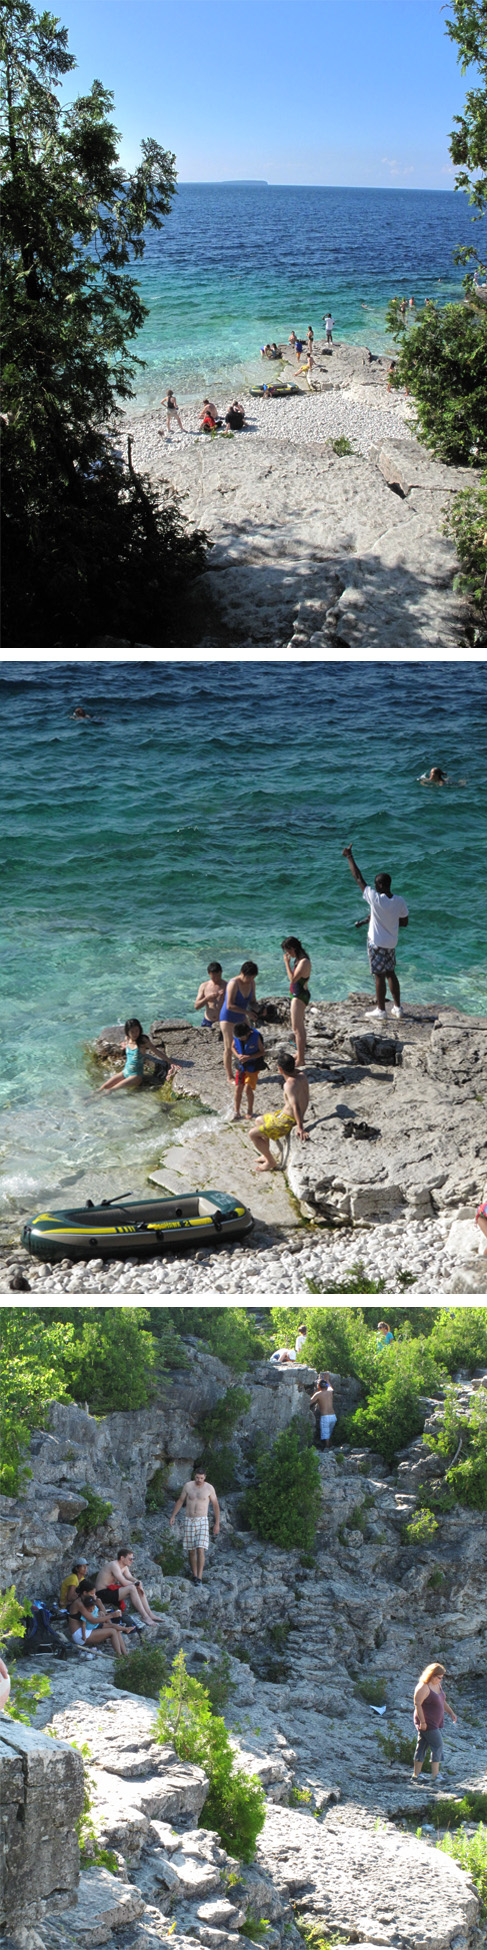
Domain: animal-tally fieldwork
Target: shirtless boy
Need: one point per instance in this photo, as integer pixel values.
(211, 995)
(115, 1581)
(323, 1401)
(278, 1123)
(197, 1494)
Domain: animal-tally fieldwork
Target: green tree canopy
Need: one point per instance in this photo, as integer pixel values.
(102, 1355)
(88, 543)
(468, 139)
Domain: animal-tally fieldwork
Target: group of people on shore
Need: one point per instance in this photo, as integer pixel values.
(211, 421)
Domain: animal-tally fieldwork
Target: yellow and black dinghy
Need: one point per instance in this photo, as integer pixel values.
(116, 1229)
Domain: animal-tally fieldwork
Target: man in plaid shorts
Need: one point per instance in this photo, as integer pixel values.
(388, 913)
(197, 1494)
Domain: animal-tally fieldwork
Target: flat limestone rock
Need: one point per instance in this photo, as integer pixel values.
(104, 1904)
(404, 464)
(374, 1882)
(228, 1161)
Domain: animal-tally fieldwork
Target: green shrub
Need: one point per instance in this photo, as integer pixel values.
(235, 1806)
(155, 1495)
(171, 1557)
(95, 1514)
(221, 1467)
(466, 1479)
(101, 1355)
(458, 1337)
(145, 1671)
(393, 1414)
(372, 1690)
(421, 1528)
(443, 363)
(436, 1580)
(230, 1332)
(470, 1851)
(24, 1693)
(397, 1746)
(357, 1518)
(454, 1814)
(355, 1281)
(342, 445)
(222, 1420)
(284, 1504)
(218, 1684)
(466, 522)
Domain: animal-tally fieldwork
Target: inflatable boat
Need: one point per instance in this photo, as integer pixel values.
(116, 1229)
(275, 391)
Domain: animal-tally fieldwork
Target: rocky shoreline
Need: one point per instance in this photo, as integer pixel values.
(391, 1177)
(310, 546)
(348, 1843)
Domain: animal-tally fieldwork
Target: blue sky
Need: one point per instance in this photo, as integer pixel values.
(297, 91)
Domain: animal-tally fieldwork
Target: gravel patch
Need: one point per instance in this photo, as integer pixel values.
(385, 1251)
(306, 421)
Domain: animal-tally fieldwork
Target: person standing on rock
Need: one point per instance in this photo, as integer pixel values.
(430, 1707)
(197, 1494)
(211, 995)
(329, 323)
(239, 1004)
(115, 1581)
(388, 913)
(298, 971)
(481, 1222)
(322, 1401)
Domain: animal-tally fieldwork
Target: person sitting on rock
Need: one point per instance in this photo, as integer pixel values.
(89, 1623)
(388, 913)
(115, 1581)
(197, 1494)
(323, 1401)
(283, 1357)
(71, 1581)
(235, 417)
(279, 1123)
(137, 1047)
(481, 1222)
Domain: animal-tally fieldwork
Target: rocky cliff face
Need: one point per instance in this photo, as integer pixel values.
(307, 1646)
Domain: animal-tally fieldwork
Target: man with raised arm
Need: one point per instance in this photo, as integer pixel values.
(197, 1494)
(388, 913)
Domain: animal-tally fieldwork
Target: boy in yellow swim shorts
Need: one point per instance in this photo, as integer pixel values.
(278, 1123)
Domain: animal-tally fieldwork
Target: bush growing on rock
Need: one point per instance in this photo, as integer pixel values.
(145, 1671)
(235, 1806)
(25, 1693)
(283, 1505)
(230, 1332)
(470, 1851)
(105, 1356)
(466, 1478)
(96, 1513)
(443, 363)
(458, 1336)
(466, 522)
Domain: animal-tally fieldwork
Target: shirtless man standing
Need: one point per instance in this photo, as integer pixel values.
(211, 995)
(278, 1123)
(323, 1400)
(197, 1494)
(115, 1581)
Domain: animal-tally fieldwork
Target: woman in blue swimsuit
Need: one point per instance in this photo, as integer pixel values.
(137, 1046)
(239, 999)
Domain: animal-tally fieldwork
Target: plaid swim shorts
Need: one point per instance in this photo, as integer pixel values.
(382, 960)
(196, 1533)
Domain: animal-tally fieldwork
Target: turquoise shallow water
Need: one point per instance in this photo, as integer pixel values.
(201, 815)
(239, 264)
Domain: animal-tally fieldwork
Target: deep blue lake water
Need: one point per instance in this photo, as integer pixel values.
(237, 265)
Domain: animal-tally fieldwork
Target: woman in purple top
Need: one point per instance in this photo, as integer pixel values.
(430, 1707)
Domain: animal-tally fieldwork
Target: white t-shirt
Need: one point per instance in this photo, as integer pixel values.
(300, 1342)
(275, 1358)
(386, 910)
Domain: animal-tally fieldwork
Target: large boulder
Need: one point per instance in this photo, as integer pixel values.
(41, 1784)
(369, 1881)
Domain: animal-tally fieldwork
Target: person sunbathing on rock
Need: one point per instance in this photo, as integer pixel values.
(116, 1581)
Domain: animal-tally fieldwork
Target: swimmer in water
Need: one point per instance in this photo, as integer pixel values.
(80, 713)
(435, 777)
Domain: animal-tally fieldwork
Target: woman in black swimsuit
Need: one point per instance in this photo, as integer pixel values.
(298, 970)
